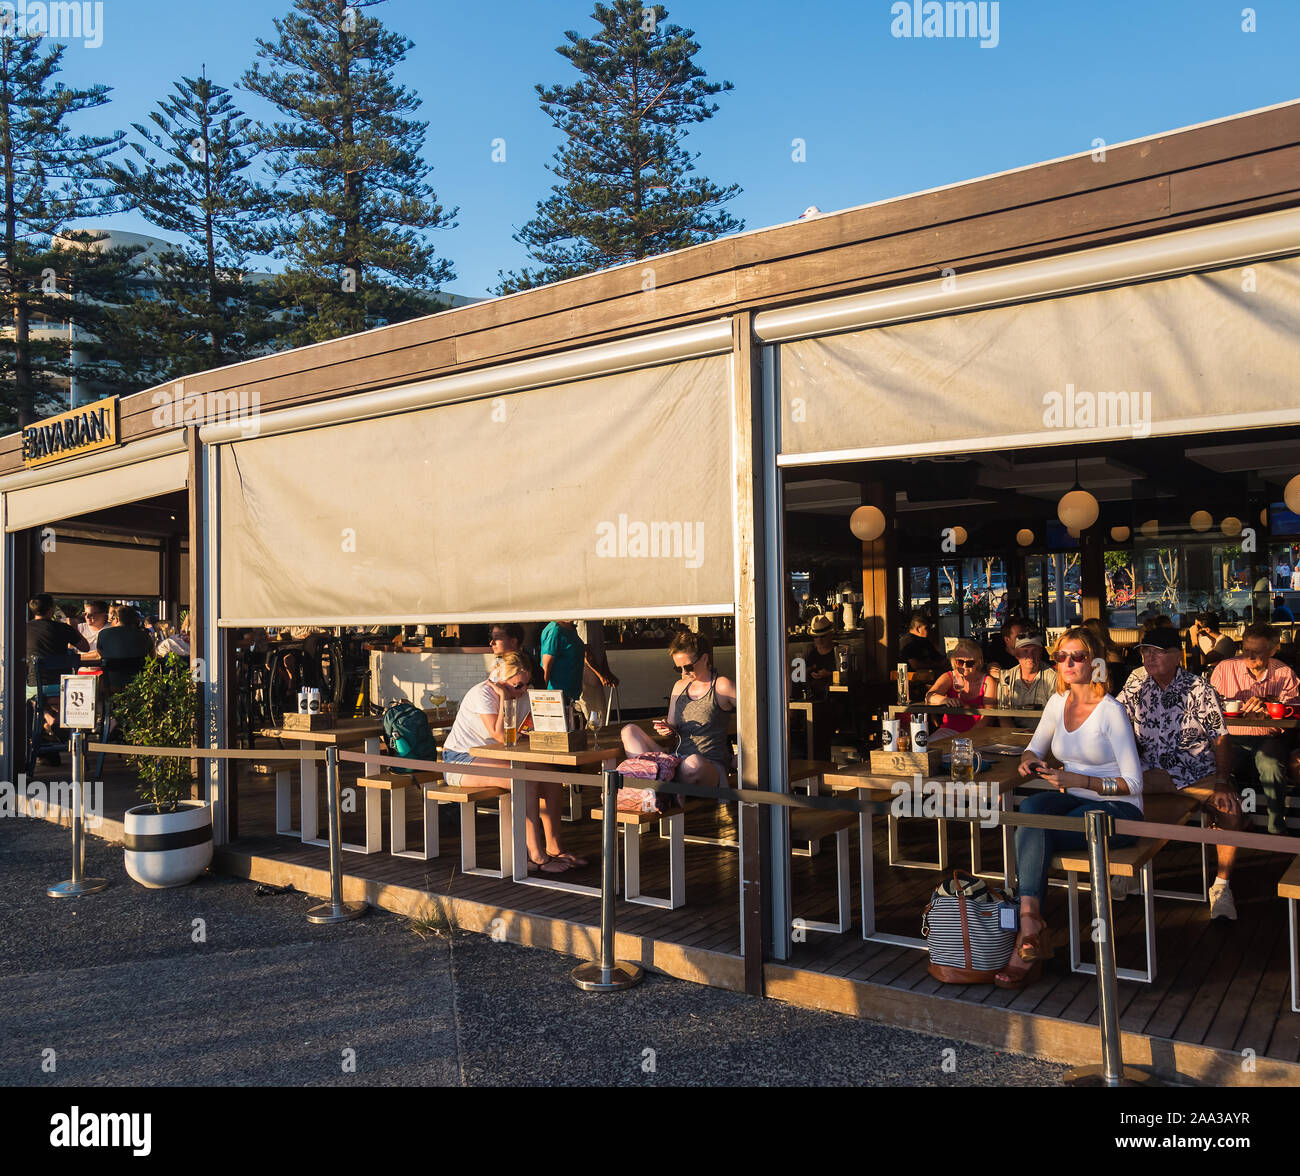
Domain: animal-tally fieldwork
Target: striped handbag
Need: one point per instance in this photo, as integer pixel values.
(967, 943)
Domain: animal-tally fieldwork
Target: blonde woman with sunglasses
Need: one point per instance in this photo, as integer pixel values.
(1089, 733)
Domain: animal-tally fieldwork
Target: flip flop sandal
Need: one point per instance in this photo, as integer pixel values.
(549, 866)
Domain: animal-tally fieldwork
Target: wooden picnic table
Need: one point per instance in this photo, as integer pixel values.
(603, 751)
(1002, 777)
(345, 733)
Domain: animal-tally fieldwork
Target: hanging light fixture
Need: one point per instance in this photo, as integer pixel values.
(1201, 520)
(1078, 509)
(1263, 518)
(1024, 537)
(959, 535)
(867, 523)
(1073, 532)
(1150, 529)
(1231, 527)
(1291, 495)
(1120, 534)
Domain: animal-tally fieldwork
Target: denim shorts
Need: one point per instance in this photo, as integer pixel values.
(456, 757)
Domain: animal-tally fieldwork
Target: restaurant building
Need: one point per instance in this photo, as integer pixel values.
(688, 437)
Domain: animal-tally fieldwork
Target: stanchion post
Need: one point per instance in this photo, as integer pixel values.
(77, 885)
(608, 975)
(336, 910)
(1099, 826)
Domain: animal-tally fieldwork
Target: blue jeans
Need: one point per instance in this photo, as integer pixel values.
(1035, 848)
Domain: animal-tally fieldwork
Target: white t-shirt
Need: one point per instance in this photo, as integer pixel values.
(91, 635)
(176, 644)
(1103, 746)
(467, 731)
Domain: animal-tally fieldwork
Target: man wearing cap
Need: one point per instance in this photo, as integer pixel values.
(1029, 683)
(1183, 745)
(1255, 679)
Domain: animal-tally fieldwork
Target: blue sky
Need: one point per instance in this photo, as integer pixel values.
(880, 115)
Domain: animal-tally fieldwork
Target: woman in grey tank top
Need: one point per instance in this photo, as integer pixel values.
(699, 714)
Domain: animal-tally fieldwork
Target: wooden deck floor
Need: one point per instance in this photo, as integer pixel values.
(1220, 986)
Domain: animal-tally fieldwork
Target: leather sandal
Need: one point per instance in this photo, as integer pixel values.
(1019, 979)
(1037, 947)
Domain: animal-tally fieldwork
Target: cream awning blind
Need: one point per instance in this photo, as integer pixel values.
(534, 503)
(102, 569)
(71, 494)
(1197, 352)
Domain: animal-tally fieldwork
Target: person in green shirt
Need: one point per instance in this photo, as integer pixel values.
(563, 657)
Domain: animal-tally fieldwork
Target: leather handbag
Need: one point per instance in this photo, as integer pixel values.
(967, 942)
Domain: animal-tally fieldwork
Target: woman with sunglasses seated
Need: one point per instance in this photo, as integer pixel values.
(1089, 732)
(480, 719)
(965, 685)
(698, 714)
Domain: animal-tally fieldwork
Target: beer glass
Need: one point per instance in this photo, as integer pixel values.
(903, 698)
(963, 760)
(510, 719)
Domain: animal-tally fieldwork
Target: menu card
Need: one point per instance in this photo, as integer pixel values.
(548, 710)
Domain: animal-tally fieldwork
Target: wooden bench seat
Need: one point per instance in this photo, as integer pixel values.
(813, 826)
(397, 784)
(1130, 861)
(672, 826)
(393, 780)
(1288, 887)
(468, 798)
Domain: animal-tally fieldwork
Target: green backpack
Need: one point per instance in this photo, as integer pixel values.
(408, 734)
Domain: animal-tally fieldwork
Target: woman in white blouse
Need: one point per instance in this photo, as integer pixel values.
(1089, 733)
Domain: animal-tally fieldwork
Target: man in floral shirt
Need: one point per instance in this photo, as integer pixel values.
(1183, 745)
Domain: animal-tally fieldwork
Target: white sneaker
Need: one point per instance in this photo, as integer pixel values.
(1222, 904)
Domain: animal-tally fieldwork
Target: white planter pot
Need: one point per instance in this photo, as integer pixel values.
(168, 849)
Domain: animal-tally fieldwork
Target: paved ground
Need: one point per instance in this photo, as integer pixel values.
(214, 984)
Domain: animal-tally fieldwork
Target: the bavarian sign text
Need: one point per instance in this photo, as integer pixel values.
(84, 429)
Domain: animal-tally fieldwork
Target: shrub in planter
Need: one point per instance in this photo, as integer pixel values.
(168, 838)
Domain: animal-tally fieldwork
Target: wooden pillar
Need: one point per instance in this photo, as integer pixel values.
(753, 675)
(18, 576)
(196, 486)
(879, 583)
(1092, 572)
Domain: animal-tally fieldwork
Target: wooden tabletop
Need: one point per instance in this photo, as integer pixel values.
(602, 752)
(1003, 773)
(353, 730)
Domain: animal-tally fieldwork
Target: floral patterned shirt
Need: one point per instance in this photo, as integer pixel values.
(1176, 727)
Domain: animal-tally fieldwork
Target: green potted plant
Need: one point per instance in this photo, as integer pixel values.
(168, 837)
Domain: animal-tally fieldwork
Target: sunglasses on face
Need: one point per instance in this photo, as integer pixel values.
(495, 638)
(1073, 658)
(963, 661)
(689, 667)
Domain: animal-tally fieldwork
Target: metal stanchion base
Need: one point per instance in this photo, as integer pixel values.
(593, 978)
(329, 912)
(72, 889)
(1090, 1076)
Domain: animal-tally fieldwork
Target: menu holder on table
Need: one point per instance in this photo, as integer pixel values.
(294, 721)
(551, 723)
(906, 763)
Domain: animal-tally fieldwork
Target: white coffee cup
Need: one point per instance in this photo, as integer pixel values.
(889, 735)
(920, 733)
(1232, 706)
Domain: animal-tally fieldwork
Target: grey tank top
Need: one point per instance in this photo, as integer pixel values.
(701, 726)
